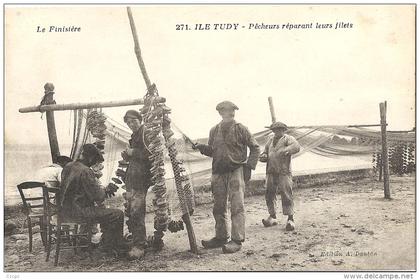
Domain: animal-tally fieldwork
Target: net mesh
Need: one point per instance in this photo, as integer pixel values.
(181, 200)
(331, 142)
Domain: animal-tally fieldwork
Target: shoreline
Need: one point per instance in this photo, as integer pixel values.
(202, 193)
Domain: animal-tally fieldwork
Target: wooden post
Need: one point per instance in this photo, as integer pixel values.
(52, 133)
(380, 167)
(382, 109)
(172, 151)
(137, 49)
(273, 113)
(191, 235)
(89, 105)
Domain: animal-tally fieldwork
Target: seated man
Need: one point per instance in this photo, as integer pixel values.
(51, 174)
(81, 191)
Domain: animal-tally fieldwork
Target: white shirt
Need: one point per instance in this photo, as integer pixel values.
(50, 174)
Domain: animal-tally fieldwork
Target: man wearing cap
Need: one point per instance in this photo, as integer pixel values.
(231, 169)
(80, 191)
(137, 181)
(277, 154)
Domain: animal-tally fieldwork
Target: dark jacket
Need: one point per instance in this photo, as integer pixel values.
(138, 173)
(228, 148)
(79, 187)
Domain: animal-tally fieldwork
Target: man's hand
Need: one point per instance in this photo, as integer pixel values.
(283, 152)
(129, 152)
(247, 173)
(263, 157)
(124, 155)
(110, 190)
(101, 205)
(199, 147)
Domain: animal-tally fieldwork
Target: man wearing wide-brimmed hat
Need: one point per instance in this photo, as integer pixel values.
(278, 154)
(231, 169)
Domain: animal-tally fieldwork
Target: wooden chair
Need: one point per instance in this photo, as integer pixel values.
(66, 231)
(34, 208)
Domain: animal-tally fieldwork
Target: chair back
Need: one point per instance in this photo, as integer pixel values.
(37, 202)
(53, 206)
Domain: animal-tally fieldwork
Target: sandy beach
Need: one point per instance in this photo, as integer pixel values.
(343, 226)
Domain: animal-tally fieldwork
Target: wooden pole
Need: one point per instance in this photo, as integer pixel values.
(336, 126)
(186, 216)
(273, 113)
(382, 109)
(89, 105)
(52, 133)
(137, 49)
(191, 235)
(380, 167)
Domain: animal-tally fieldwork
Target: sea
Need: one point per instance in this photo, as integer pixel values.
(22, 161)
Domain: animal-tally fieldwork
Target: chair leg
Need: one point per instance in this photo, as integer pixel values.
(43, 232)
(75, 238)
(49, 240)
(57, 245)
(30, 233)
(89, 237)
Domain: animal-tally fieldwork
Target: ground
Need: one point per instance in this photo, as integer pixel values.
(346, 226)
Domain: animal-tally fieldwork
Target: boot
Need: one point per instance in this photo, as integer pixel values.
(117, 250)
(232, 247)
(290, 226)
(213, 243)
(270, 221)
(106, 251)
(96, 238)
(155, 243)
(136, 253)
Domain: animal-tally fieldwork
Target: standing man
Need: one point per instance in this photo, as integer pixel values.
(138, 181)
(278, 154)
(231, 169)
(80, 191)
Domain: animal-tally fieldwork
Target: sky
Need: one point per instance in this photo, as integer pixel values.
(315, 76)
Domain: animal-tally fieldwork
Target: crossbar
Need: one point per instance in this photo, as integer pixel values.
(88, 105)
(335, 126)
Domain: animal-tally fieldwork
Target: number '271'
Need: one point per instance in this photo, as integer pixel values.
(182, 27)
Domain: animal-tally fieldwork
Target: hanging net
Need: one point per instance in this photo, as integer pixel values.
(111, 136)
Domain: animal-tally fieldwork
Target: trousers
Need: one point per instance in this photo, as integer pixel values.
(136, 212)
(283, 184)
(229, 186)
(111, 222)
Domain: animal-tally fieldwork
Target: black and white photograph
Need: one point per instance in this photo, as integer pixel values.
(210, 138)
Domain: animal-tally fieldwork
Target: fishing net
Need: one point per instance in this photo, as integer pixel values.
(332, 142)
(80, 132)
(181, 200)
(401, 157)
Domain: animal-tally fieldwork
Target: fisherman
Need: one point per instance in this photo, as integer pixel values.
(277, 154)
(137, 181)
(231, 170)
(51, 174)
(80, 191)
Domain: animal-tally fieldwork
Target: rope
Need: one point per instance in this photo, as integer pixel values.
(74, 134)
(111, 158)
